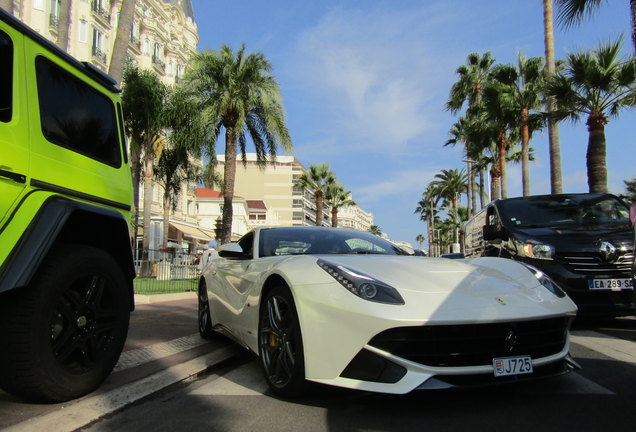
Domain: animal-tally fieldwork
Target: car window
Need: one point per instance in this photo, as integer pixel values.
(247, 243)
(320, 241)
(574, 210)
(6, 77)
(76, 116)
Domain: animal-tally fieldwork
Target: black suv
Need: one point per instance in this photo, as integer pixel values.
(582, 241)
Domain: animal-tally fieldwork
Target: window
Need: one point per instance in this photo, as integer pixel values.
(6, 78)
(147, 46)
(83, 31)
(247, 243)
(75, 116)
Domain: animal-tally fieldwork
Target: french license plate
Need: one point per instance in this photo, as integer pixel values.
(517, 365)
(610, 284)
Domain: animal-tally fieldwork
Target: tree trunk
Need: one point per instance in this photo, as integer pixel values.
(63, 24)
(556, 181)
(596, 153)
(135, 170)
(632, 6)
(494, 184)
(229, 174)
(482, 189)
(122, 38)
(334, 217)
(319, 197)
(167, 205)
(502, 147)
(7, 5)
(525, 151)
(149, 163)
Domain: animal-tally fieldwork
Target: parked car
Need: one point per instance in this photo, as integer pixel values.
(348, 308)
(66, 264)
(582, 241)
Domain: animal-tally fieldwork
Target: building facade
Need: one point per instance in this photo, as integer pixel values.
(163, 37)
(287, 204)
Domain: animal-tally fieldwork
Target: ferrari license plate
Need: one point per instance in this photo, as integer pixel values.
(610, 284)
(517, 365)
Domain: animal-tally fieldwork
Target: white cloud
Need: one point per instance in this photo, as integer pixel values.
(370, 67)
(409, 183)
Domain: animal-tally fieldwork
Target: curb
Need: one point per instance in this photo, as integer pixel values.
(159, 298)
(91, 409)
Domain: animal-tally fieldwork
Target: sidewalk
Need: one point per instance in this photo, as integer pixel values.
(163, 347)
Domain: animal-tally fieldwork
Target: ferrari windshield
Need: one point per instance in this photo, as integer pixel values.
(319, 241)
(584, 210)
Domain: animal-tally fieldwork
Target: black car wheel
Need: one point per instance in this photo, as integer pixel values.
(281, 345)
(63, 333)
(205, 321)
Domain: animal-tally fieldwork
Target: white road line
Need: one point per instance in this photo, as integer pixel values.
(618, 349)
(92, 408)
(139, 356)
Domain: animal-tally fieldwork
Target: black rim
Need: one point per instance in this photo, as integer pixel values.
(278, 341)
(84, 323)
(204, 309)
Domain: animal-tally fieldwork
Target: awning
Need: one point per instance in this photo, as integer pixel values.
(193, 232)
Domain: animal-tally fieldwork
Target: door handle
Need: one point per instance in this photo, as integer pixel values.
(19, 178)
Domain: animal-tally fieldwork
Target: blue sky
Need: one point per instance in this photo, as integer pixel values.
(365, 84)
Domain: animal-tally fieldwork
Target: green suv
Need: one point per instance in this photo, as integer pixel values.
(66, 266)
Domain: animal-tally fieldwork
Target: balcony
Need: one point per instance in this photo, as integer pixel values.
(100, 14)
(99, 56)
(158, 64)
(135, 45)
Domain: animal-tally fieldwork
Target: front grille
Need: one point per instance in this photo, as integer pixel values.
(595, 264)
(474, 344)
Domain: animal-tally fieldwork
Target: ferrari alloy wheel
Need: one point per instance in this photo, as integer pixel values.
(280, 344)
(205, 321)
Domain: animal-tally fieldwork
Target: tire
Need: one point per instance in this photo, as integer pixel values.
(280, 344)
(205, 320)
(63, 333)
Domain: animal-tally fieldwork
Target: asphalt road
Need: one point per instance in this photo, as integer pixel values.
(170, 379)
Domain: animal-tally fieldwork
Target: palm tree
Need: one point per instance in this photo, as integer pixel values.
(143, 100)
(420, 239)
(572, 12)
(521, 93)
(63, 23)
(374, 229)
(317, 181)
(337, 197)
(473, 77)
(450, 184)
(556, 178)
(122, 39)
(237, 92)
(598, 84)
(185, 139)
(427, 208)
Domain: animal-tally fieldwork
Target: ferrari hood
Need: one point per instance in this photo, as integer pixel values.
(432, 275)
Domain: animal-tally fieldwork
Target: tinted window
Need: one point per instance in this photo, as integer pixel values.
(6, 77)
(318, 241)
(247, 243)
(76, 116)
(561, 211)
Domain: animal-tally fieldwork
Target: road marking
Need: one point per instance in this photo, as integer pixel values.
(139, 356)
(618, 349)
(91, 408)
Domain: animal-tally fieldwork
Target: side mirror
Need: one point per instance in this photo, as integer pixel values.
(491, 232)
(232, 250)
(632, 216)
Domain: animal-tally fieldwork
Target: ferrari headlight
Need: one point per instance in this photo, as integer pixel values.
(362, 285)
(537, 250)
(546, 281)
